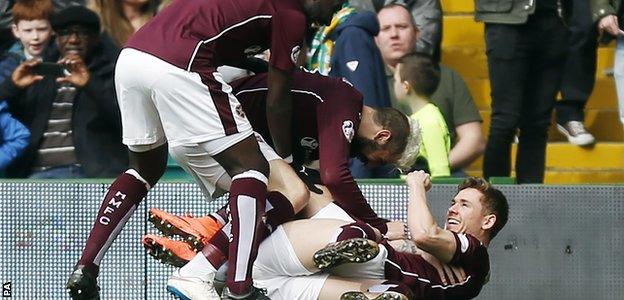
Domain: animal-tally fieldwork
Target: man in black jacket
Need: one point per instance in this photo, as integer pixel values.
(73, 116)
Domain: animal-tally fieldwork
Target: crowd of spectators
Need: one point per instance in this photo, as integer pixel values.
(69, 126)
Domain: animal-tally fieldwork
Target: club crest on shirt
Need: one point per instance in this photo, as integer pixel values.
(348, 130)
(463, 240)
(294, 54)
(239, 111)
(253, 50)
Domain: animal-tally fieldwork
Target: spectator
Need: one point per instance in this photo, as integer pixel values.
(396, 39)
(416, 77)
(74, 120)
(608, 16)
(346, 48)
(578, 75)
(122, 18)
(526, 44)
(13, 137)
(6, 38)
(31, 26)
(427, 17)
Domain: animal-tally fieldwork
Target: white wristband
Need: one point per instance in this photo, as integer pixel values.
(289, 159)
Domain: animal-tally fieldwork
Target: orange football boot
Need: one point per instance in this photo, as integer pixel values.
(168, 251)
(195, 231)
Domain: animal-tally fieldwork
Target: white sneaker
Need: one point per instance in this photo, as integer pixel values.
(576, 133)
(191, 288)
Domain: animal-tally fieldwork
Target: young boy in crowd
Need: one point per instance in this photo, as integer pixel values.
(415, 80)
(31, 26)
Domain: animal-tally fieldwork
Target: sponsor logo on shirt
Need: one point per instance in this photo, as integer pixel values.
(294, 54)
(309, 143)
(348, 130)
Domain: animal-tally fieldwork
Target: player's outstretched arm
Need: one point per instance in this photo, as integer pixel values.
(425, 231)
(279, 110)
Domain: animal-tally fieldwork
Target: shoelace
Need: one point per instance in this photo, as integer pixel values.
(576, 127)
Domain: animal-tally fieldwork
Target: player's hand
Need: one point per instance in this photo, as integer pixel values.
(23, 76)
(397, 230)
(309, 176)
(418, 180)
(79, 74)
(610, 25)
(448, 274)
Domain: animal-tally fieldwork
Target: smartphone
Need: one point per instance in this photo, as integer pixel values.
(50, 69)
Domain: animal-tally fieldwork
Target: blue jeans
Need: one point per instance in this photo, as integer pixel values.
(62, 172)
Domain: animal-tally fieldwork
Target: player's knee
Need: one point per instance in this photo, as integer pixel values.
(298, 194)
(151, 164)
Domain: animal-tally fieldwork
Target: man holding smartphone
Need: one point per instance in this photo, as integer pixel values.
(72, 115)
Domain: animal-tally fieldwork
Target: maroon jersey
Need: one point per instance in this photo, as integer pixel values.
(326, 115)
(200, 35)
(423, 279)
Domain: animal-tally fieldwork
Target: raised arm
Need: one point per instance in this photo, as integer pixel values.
(288, 30)
(338, 119)
(426, 233)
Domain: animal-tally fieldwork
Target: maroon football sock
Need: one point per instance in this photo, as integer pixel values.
(122, 198)
(221, 215)
(356, 230)
(247, 200)
(280, 211)
(217, 249)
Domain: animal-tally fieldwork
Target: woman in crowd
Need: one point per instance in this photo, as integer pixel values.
(124, 17)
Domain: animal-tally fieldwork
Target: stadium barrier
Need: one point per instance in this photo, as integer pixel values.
(561, 242)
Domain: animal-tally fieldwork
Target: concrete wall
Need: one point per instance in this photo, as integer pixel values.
(560, 243)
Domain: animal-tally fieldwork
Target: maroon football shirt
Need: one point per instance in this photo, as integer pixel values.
(326, 115)
(200, 35)
(423, 278)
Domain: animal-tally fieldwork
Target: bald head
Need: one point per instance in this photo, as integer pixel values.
(397, 33)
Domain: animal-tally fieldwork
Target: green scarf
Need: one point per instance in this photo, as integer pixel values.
(320, 52)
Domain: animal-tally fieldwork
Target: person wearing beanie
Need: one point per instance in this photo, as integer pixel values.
(69, 105)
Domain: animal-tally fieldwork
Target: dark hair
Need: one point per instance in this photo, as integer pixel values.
(397, 123)
(28, 10)
(421, 72)
(493, 200)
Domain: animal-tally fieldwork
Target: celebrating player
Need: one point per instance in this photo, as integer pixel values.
(169, 92)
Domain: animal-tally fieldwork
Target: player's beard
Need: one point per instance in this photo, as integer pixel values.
(361, 146)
